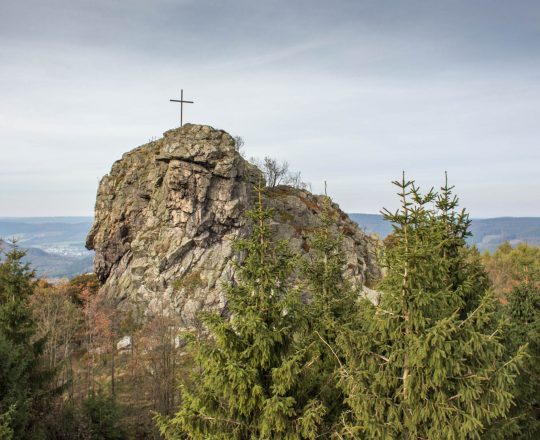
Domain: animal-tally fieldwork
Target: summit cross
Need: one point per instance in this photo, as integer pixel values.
(182, 102)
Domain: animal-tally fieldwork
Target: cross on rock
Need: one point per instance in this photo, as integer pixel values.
(182, 102)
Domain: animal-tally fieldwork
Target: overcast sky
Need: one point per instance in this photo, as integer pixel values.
(351, 92)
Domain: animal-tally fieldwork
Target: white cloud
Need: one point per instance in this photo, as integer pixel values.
(351, 93)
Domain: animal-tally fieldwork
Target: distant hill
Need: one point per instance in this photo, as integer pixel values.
(41, 220)
(50, 265)
(54, 245)
(372, 224)
(487, 234)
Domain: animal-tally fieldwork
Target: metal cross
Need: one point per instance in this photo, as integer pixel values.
(181, 101)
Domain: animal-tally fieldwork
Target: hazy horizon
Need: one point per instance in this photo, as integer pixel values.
(351, 93)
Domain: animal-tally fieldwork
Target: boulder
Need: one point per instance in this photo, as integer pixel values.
(168, 212)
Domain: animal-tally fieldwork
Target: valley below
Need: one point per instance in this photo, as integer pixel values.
(56, 249)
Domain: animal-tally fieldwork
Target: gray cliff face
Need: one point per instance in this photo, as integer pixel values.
(168, 212)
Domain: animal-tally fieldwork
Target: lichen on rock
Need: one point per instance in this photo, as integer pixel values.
(170, 210)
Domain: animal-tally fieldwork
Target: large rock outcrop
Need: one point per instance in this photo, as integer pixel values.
(168, 212)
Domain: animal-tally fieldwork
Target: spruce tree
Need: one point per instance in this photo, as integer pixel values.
(427, 362)
(23, 382)
(6, 431)
(331, 308)
(515, 273)
(101, 415)
(247, 381)
(464, 263)
(523, 311)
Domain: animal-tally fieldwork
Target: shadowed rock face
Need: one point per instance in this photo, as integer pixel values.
(168, 212)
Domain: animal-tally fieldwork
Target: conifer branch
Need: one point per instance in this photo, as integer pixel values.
(470, 315)
(331, 349)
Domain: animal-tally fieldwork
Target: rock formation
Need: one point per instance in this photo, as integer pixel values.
(168, 212)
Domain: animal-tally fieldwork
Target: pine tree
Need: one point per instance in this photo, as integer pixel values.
(23, 383)
(247, 383)
(331, 308)
(427, 361)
